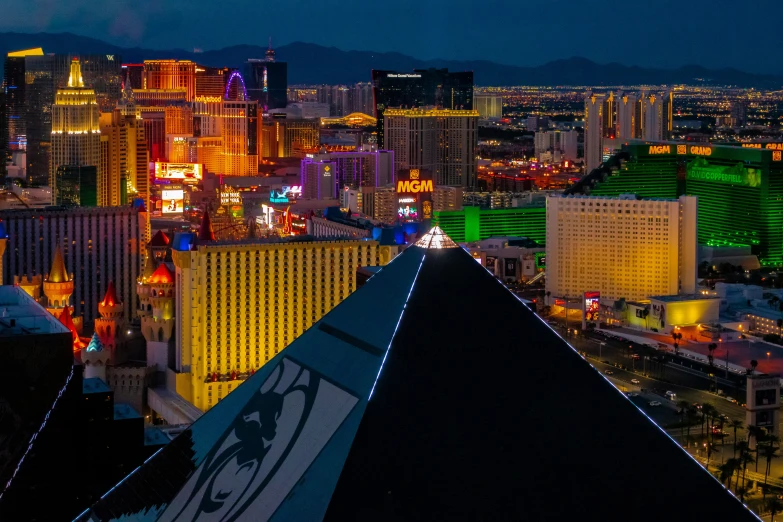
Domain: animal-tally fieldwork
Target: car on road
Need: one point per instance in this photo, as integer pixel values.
(636, 357)
(724, 417)
(697, 405)
(635, 381)
(670, 395)
(731, 399)
(608, 372)
(654, 403)
(633, 394)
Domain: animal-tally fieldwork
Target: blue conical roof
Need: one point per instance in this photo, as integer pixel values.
(95, 344)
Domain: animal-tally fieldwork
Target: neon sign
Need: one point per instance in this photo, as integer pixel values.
(660, 149)
(592, 305)
(414, 186)
(770, 146)
(700, 170)
(698, 150)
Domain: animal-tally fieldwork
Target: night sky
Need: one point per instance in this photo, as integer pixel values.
(660, 33)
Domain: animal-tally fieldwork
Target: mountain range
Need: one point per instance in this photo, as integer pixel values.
(314, 64)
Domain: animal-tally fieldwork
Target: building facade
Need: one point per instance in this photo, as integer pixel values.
(441, 141)
(598, 112)
(350, 170)
(658, 116)
(98, 245)
(76, 138)
(621, 247)
(171, 74)
(489, 106)
(556, 145)
(238, 304)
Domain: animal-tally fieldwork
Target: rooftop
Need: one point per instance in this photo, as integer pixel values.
(21, 315)
(124, 411)
(154, 437)
(94, 385)
(682, 298)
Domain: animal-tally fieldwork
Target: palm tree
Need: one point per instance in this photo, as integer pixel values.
(746, 458)
(711, 347)
(684, 406)
(727, 471)
(754, 363)
(769, 452)
(736, 424)
(691, 413)
(774, 507)
(645, 314)
(742, 449)
(757, 434)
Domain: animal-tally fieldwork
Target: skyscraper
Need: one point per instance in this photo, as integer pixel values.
(597, 107)
(15, 88)
(556, 145)
(267, 81)
(211, 81)
(629, 116)
(4, 153)
(489, 106)
(171, 74)
(441, 141)
(658, 116)
(354, 169)
(76, 186)
(423, 87)
(76, 136)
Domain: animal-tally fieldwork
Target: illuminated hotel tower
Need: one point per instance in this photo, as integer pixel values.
(76, 131)
(239, 130)
(599, 124)
(171, 74)
(658, 116)
(629, 116)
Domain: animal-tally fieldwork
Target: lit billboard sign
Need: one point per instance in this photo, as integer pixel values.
(592, 305)
(285, 194)
(770, 146)
(172, 201)
(181, 172)
(540, 259)
(700, 170)
(414, 184)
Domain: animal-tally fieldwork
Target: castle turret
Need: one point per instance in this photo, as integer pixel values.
(158, 246)
(95, 358)
(158, 327)
(58, 288)
(67, 321)
(110, 325)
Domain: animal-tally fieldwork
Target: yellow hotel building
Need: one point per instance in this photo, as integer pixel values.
(239, 303)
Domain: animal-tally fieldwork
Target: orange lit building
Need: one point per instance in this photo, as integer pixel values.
(179, 120)
(171, 74)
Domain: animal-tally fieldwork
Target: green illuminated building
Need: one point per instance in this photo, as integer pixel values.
(475, 223)
(740, 190)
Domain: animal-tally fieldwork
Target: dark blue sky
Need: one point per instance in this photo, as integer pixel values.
(662, 33)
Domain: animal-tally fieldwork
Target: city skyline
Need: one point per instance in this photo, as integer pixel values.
(432, 35)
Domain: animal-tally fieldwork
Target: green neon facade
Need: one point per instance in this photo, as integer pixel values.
(740, 191)
(474, 223)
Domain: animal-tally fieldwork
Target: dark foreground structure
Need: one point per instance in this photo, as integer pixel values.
(429, 394)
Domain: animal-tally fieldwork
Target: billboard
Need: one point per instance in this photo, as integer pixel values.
(592, 305)
(172, 201)
(491, 263)
(511, 267)
(700, 170)
(540, 259)
(179, 172)
(285, 194)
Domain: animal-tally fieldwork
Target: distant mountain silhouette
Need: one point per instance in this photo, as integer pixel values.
(312, 64)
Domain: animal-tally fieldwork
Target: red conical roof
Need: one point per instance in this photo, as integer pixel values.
(67, 321)
(110, 299)
(162, 275)
(205, 232)
(159, 239)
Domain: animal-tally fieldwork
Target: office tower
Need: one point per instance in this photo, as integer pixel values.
(171, 74)
(634, 248)
(112, 180)
(241, 303)
(211, 81)
(489, 106)
(380, 203)
(629, 116)
(98, 245)
(76, 186)
(421, 88)
(15, 99)
(103, 74)
(267, 81)
(299, 137)
(598, 111)
(440, 141)
(325, 175)
(658, 116)
(556, 146)
(239, 130)
(134, 75)
(208, 152)
(76, 138)
(739, 113)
